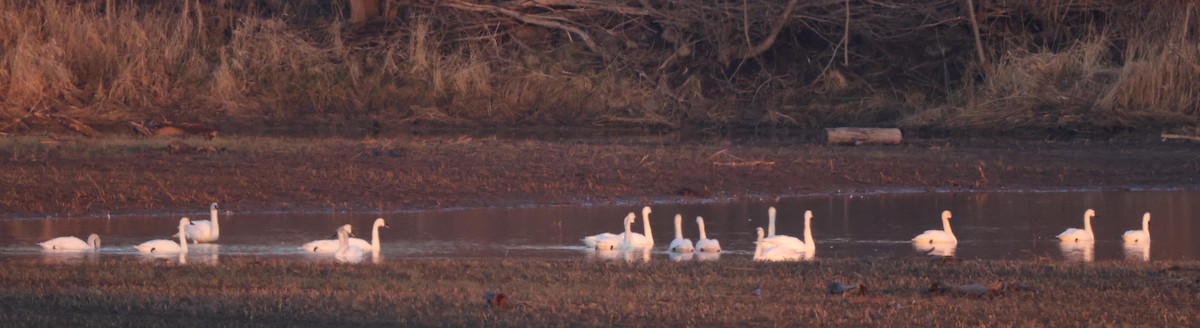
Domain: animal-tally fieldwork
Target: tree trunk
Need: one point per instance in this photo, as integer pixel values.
(858, 136)
(362, 11)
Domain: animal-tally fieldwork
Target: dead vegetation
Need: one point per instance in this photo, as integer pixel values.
(1035, 65)
(733, 291)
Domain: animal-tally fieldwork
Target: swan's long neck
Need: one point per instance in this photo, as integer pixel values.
(216, 228)
(646, 226)
(946, 226)
(678, 227)
(375, 238)
(182, 238)
(343, 243)
(771, 222)
(1087, 223)
(700, 222)
(628, 230)
(808, 240)
(1146, 223)
(94, 241)
(758, 245)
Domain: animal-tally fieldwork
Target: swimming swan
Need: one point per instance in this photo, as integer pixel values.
(159, 246)
(680, 244)
(346, 252)
(773, 240)
(938, 236)
(609, 239)
(1139, 236)
(204, 231)
(72, 243)
(705, 244)
(1073, 235)
(639, 240)
(331, 245)
(773, 253)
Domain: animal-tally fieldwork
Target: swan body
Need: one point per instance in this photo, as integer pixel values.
(608, 241)
(680, 244)
(639, 240)
(163, 246)
(205, 231)
(790, 242)
(945, 236)
(1074, 235)
(72, 243)
(1139, 236)
(347, 253)
(331, 245)
(704, 244)
(772, 253)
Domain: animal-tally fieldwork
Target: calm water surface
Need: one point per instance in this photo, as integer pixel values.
(1007, 225)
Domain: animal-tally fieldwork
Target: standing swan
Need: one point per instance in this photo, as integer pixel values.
(705, 244)
(347, 253)
(159, 246)
(331, 245)
(205, 231)
(772, 253)
(938, 236)
(1073, 235)
(72, 243)
(773, 240)
(680, 244)
(1139, 236)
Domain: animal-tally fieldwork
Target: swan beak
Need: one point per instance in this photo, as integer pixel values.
(385, 226)
(351, 234)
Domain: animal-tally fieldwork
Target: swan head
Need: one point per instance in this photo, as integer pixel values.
(946, 215)
(771, 211)
(700, 220)
(213, 207)
(807, 215)
(185, 221)
(629, 218)
(759, 231)
(1146, 217)
(1089, 213)
(678, 218)
(646, 211)
(94, 240)
(348, 229)
(380, 223)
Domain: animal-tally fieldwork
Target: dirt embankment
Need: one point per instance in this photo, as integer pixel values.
(43, 177)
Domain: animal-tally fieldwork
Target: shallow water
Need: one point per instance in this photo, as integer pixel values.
(1005, 225)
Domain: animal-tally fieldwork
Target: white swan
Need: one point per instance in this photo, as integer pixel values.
(704, 244)
(72, 243)
(639, 240)
(610, 240)
(680, 244)
(772, 253)
(1073, 235)
(204, 231)
(936, 249)
(161, 246)
(331, 245)
(1139, 236)
(938, 236)
(347, 253)
(773, 240)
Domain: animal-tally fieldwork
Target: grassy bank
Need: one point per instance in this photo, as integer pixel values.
(1046, 66)
(243, 291)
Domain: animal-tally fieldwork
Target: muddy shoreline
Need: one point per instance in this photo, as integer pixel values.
(80, 177)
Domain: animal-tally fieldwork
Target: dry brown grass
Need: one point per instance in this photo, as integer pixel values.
(247, 291)
(1101, 66)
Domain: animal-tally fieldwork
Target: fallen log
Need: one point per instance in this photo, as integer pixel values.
(858, 136)
(1169, 136)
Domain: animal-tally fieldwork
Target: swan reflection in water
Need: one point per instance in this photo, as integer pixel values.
(630, 255)
(708, 256)
(1078, 252)
(936, 249)
(68, 257)
(681, 257)
(1137, 252)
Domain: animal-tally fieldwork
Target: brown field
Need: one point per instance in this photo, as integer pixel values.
(249, 292)
(43, 177)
